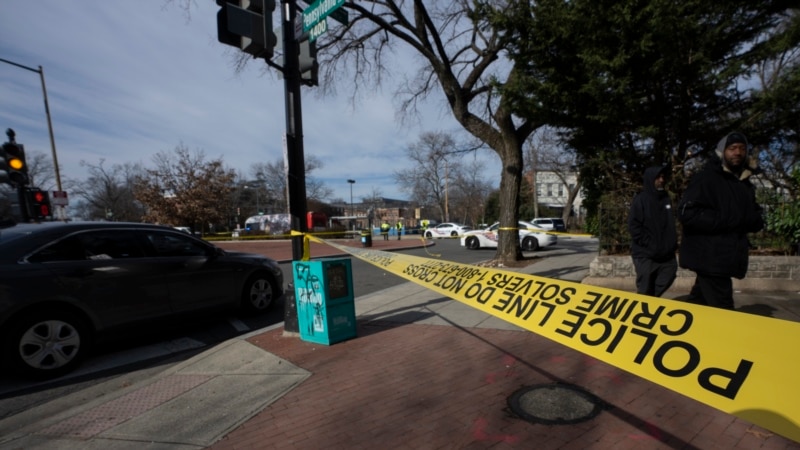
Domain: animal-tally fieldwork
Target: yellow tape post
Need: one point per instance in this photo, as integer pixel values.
(739, 363)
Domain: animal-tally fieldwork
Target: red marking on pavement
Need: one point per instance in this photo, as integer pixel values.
(479, 433)
(652, 432)
(509, 362)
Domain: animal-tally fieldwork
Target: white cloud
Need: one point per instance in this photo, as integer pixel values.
(126, 80)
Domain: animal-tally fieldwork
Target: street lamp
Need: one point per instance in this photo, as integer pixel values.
(40, 71)
(352, 211)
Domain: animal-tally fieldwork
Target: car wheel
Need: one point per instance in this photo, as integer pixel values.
(530, 244)
(473, 243)
(453, 233)
(46, 344)
(428, 234)
(259, 294)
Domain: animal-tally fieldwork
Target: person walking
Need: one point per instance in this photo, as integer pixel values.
(385, 227)
(399, 227)
(717, 211)
(651, 222)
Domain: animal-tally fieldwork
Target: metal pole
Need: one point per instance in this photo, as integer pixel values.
(40, 71)
(352, 209)
(50, 129)
(295, 161)
(295, 182)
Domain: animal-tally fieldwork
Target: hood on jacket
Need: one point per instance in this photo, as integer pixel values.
(649, 178)
(732, 138)
(751, 160)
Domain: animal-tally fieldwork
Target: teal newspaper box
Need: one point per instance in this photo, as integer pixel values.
(323, 289)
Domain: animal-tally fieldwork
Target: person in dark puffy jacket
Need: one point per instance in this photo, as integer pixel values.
(651, 222)
(717, 211)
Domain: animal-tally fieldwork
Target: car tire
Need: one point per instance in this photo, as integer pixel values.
(453, 233)
(472, 243)
(530, 244)
(46, 345)
(259, 294)
(428, 234)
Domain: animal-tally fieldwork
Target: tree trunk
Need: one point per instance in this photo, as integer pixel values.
(508, 249)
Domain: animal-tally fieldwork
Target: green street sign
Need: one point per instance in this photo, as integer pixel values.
(318, 11)
(317, 30)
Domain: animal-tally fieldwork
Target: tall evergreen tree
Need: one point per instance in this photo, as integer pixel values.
(636, 82)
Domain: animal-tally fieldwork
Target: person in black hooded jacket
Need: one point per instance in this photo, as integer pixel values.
(717, 211)
(651, 222)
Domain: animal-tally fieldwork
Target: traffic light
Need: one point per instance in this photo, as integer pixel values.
(38, 203)
(13, 168)
(247, 24)
(307, 59)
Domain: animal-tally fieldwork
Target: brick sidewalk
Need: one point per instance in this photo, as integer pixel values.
(427, 386)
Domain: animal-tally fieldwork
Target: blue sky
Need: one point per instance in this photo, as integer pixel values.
(126, 80)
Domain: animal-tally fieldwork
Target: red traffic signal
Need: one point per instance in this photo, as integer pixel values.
(38, 203)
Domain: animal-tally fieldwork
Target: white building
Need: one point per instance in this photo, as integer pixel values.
(553, 192)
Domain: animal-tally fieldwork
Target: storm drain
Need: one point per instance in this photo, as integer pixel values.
(554, 404)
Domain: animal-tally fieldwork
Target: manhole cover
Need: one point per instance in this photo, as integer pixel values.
(554, 404)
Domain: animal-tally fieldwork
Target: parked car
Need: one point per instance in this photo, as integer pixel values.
(447, 229)
(530, 240)
(65, 285)
(550, 223)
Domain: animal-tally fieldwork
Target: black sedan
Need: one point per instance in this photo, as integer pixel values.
(64, 285)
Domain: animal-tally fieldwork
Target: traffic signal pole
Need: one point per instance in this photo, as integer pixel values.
(293, 148)
(40, 71)
(247, 25)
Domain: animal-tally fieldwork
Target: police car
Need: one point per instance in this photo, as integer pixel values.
(530, 237)
(446, 230)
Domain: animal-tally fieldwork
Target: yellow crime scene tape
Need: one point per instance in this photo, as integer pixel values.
(739, 363)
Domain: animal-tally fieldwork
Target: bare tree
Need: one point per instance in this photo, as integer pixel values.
(544, 151)
(41, 171)
(273, 177)
(461, 57)
(107, 193)
(433, 163)
(472, 192)
(184, 189)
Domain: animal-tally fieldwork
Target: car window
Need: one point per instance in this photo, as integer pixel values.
(91, 245)
(174, 244)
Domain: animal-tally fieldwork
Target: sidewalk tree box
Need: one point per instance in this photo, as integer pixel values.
(326, 311)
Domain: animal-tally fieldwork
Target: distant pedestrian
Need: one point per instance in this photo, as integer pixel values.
(651, 222)
(717, 211)
(385, 227)
(399, 227)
